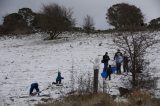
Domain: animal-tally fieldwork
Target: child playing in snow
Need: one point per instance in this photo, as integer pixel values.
(109, 72)
(58, 79)
(34, 86)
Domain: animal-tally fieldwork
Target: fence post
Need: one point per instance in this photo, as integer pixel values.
(95, 82)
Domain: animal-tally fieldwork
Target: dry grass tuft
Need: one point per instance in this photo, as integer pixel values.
(136, 98)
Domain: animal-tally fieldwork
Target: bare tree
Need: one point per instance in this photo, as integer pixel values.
(88, 24)
(136, 44)
(55, 19)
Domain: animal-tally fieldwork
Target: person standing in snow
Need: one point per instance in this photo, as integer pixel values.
(109, 72)
(125, 62)
(105, 60)
(118, 57)
(34, 86)
(118, 53)
(59, 78)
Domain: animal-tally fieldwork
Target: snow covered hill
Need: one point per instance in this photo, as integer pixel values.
(29, 59)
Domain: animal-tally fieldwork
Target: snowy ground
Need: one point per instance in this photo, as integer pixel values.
(23, 61)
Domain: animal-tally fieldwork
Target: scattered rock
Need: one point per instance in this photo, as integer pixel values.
(80, 43)
(100, 44)
(6, 78)
(46, 99)
(11, 99)
(71, 46)
(71, 92)
(57, 93)
(32, 100)
(124, 91)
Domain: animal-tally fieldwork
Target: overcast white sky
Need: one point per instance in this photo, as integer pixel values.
(95, 8)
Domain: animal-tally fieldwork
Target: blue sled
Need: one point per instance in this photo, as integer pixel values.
(104, 74)
(114, 69)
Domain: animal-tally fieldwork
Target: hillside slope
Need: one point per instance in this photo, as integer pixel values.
(29, 59)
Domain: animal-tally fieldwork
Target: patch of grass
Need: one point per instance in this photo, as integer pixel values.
(136, 98)
(142, 98)
(99, 99)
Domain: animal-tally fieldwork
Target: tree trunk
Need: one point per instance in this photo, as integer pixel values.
(134, 72)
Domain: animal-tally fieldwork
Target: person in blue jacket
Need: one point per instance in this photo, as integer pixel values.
(118, 57)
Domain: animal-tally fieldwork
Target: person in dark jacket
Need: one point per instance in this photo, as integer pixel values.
(125, 62)
(59, 78)
(109, 72)
(118, 57)
(34, 86)
(105, 60)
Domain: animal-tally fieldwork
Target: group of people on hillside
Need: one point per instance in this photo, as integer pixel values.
(119, 59)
